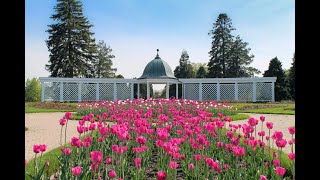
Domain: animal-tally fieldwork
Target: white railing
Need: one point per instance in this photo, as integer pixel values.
(99, 89)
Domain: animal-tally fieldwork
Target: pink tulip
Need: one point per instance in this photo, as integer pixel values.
(291, 156)
(62, 122)
(276, 162)
(108, 160)
(92, 126)
(281, 143)
(266, 164)
(76, 171)
(47, 164)
(197, 157)
(96, 157)
(141, 140)
(252, 122)
(36, 148)
(94, 167)
(278, 135)
(138, 162)
(274, 154)
(42, 147)
(263, 177)
(219, 144)
(161, 175)
(292, 130)
(191, 166)
(238, 151)
(267, 138)
(262, 118)
(66, 151)
(229, 134)
(173, 164)
(68, 115)
(226, 166)
(280, 171)
(269, 125)
(112, 174)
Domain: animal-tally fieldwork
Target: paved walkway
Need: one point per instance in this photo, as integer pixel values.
(280, 123)
(44, 128)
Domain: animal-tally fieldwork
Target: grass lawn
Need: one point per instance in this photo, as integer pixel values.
(39, 107)
(266, 108)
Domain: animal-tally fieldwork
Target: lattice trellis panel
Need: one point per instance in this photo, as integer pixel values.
(264, 92)
(123, 91)
(106, 92)
(51, 91)
(88, 92)
(245, 92)
(70, 91)
(227, 92)
(191, 91)
(209, 91)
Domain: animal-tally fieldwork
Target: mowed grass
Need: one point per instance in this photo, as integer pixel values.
(42, 107)
(266, 108)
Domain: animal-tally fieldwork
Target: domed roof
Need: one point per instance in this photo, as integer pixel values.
(157, 69)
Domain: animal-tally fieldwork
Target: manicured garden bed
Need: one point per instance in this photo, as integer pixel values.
(169, 139)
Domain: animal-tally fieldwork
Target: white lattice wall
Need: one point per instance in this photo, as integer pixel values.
(264, 91)
(123, 91)
(245, 91)
(227, 92)
(191, 91)
(88, 92)
(97, 89)
(51, 91)
(70, 91)
(209, 92)
(106, 91)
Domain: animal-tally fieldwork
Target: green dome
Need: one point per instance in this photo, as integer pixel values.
(157, 69)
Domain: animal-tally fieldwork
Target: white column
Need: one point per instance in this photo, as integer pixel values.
(114, 91)
(177, 90)
(42, 91)
(254, 93)
(61, 91)
(236, 96)
(272, 93)
(183, 91)
(138, 95)
(148, 90)
(167, 90)
(79, 92)
(218, 91)
(97, 92)
(200, 91)
(132, 86)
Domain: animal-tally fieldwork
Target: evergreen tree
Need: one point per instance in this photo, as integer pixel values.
(292, 78)
(275, 70)
(229, 55)
(201, 73)
(70, 43)
(239, 60)
(185, 69)
(103, 62)
(221, 44)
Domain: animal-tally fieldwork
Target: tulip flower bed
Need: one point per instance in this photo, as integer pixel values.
(168, 139)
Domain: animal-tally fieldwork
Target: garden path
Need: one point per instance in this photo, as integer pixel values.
(280, 123)
(44, 128)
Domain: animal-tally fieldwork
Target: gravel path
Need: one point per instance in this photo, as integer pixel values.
(44, 128)
(280, 123)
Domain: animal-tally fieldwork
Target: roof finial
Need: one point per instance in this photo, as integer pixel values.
(157, 54)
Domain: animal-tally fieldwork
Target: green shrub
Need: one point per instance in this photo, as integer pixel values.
(32, 90)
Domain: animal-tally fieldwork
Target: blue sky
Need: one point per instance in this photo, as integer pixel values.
(134, 29)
